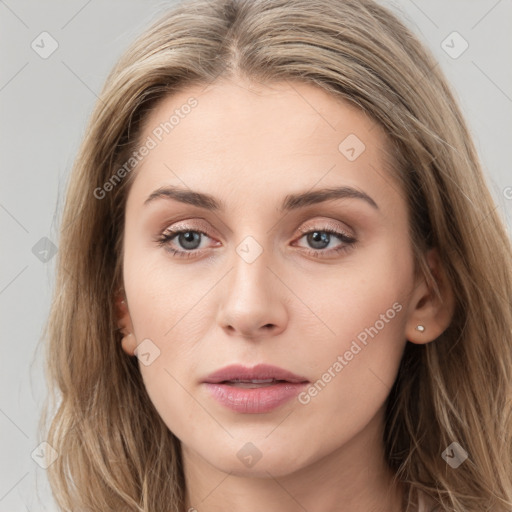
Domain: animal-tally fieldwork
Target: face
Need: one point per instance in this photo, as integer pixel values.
(318, 285)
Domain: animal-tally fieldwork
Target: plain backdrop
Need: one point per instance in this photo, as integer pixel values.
(45, 102)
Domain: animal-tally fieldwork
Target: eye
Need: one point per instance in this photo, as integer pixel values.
(320, 239)
(188, 239)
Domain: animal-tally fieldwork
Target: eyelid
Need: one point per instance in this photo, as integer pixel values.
(334, 225)
(190, 225)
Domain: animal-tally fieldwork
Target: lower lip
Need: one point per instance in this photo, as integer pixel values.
(254, 400)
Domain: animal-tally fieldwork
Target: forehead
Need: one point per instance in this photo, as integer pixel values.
(287, 115)
(244, 136)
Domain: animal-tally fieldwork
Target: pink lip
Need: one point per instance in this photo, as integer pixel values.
(260, 371)
(254, 400)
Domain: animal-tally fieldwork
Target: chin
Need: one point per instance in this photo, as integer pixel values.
(255, 459)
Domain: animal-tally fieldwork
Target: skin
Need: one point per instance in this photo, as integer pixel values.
(250, 145)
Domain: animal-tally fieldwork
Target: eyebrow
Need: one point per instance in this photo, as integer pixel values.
(290, 202)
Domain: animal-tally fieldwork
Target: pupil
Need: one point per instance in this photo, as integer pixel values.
(318, 237)
(189, 239)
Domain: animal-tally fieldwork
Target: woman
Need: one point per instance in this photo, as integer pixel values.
(282, 281)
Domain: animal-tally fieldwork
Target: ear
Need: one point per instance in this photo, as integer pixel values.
(124, 323)
(426, 309)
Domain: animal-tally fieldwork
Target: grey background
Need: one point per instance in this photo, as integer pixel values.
(44, 105)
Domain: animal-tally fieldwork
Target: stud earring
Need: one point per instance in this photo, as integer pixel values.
(420, 328)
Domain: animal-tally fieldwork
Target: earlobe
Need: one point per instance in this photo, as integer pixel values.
(124, 323)
(129, 344)
(430, 314)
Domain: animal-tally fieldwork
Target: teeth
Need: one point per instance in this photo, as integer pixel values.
(253, 381)
(251, 385)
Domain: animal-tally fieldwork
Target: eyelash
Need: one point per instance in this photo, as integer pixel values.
(168, 235)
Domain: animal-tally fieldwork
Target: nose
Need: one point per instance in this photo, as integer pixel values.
(253, 304)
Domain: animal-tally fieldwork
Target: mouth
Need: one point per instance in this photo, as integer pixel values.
(256, 390)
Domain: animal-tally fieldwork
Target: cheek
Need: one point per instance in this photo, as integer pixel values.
(362, 298)
(168, 308)
(162, 293)
(356, 348)
(356, 370)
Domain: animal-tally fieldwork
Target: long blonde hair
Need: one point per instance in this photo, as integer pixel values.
(115, 452)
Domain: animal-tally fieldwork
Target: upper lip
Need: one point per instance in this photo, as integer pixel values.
(258, 372)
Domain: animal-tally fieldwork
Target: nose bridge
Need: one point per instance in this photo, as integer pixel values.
(251, 304)
(249, 279)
